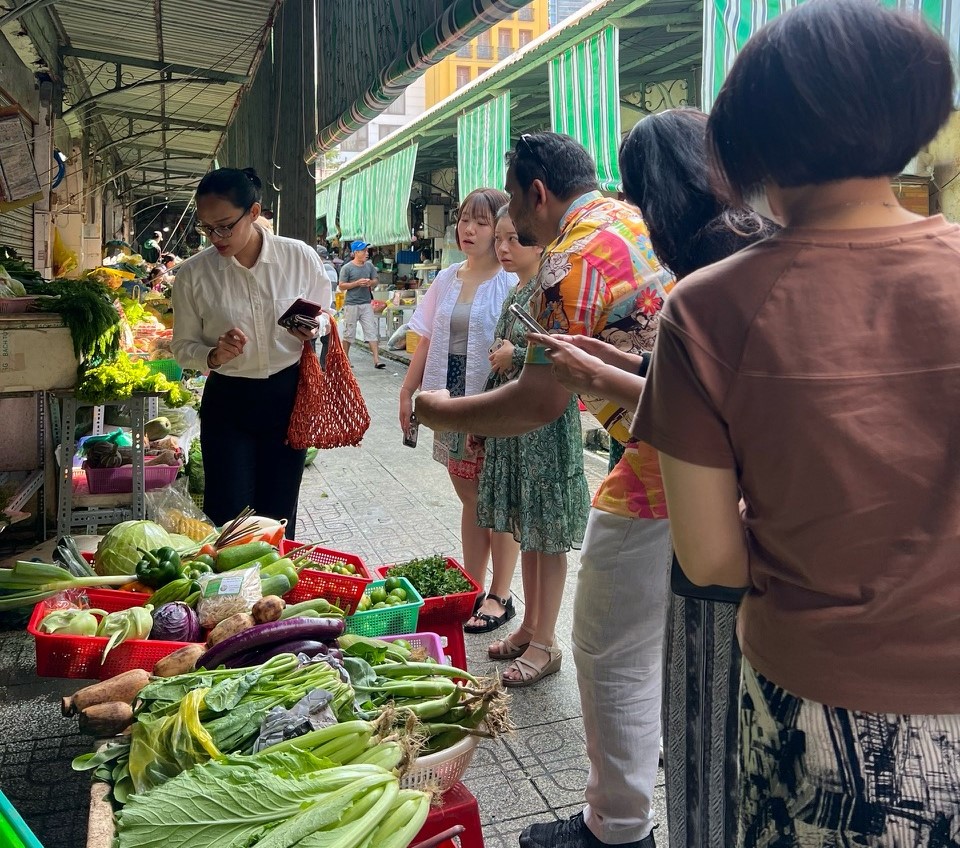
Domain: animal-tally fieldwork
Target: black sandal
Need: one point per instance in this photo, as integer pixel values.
(492, 622)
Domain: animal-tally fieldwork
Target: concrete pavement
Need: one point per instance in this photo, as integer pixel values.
(386, 503)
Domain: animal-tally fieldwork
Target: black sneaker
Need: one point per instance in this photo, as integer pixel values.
(572, 833)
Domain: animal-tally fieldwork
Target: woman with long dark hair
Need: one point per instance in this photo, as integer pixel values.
(663, 161)
(227, 300)
(816, 375)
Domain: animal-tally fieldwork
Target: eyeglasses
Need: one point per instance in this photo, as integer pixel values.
(223, 232)
(525, 140)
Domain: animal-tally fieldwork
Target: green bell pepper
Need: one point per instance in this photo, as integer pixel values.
(159, 567)
(195, 569)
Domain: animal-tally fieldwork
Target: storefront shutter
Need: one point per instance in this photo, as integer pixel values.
(585, 100)
(483, 139)
(16, 225)
(728, 24)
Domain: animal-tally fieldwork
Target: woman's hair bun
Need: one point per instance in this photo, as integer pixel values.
(252, 176)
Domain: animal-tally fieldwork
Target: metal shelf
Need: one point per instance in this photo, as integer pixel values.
(36, 478)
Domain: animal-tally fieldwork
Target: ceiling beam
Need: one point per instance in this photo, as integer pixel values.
(651, 58)
(123, 141)
(123, 89)
(141, 117)
(641, 21)
(154, 65)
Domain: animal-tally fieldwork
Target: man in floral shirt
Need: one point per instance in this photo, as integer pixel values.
(598, 277)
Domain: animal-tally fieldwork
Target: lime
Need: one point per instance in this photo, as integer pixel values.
(378, 595)
(380, 605)
(393, 600)
(399, 593)
(403, 643)
(392, 584)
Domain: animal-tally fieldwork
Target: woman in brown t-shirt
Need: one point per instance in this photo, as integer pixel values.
(817, 374)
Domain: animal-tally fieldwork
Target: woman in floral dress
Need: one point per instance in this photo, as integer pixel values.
(531, 486)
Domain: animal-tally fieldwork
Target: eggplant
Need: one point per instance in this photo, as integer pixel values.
(310, 647)
(272, 633)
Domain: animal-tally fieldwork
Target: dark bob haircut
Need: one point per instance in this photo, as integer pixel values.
(663, 161)
(570, 172)
(241, 187)
(831, 90)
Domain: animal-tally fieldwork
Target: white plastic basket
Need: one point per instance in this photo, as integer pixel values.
(444, 769)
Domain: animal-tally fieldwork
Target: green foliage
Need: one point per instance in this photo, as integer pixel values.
(87, 309)
(124, 377)
(431, 577)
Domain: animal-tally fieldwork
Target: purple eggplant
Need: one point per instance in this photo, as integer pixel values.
(310, 647)
(270, 634)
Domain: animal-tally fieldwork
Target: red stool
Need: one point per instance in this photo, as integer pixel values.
(458, 807)
(451, 633)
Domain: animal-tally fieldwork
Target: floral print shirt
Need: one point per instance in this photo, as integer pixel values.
(600, 278)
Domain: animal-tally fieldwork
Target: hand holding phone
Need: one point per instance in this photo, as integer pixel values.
(411, 433)
(525, 318)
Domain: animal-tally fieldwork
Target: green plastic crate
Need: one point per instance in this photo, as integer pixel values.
(167, 367)
(389, 621)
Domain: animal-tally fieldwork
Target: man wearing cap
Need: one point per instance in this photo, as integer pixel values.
(357, 279)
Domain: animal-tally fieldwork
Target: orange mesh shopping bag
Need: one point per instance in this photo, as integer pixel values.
(329, 411)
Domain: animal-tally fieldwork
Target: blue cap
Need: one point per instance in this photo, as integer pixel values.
(359, 245)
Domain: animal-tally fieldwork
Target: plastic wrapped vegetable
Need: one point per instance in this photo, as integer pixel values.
(72, 622)
(119, 551)
(133, 623)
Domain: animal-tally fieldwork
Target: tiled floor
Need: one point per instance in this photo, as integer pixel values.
(384, 502)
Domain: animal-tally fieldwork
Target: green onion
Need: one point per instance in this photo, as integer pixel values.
(28, 583)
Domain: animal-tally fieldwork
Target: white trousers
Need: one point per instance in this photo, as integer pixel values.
(618, 625)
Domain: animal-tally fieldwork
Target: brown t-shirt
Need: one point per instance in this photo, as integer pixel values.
(824, 367)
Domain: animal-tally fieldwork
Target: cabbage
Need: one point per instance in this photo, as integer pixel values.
(119, 551)
(175, 622)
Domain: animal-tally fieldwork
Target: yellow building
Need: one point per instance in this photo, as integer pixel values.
(486, 50)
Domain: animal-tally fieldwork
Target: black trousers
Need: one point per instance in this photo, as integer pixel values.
(246, 461)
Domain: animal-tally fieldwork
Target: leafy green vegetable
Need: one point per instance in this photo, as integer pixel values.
(240, 800)
(119, 551)
(431, 577)
(123, 377)
(87, 309)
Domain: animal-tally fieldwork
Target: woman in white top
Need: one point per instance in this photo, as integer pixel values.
(226, 302)
(456, 321)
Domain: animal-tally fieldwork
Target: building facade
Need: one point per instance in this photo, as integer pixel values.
(486, 50)
(560, 10)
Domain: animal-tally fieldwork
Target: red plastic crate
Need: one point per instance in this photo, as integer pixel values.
(79, 656)
(449, 608)
(342, 590)
(457, 806)
(451, 638)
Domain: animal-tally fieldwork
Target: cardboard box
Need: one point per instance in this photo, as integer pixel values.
(36, 354)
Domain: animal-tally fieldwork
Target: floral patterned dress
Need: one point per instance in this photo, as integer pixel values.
(533, 485)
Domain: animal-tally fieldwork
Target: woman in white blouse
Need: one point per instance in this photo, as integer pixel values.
(456, 321)
(226, 301)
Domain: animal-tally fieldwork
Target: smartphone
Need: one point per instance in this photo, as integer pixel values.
(526, 319)
(410, 436)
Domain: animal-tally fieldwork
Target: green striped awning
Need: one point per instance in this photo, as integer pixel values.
(387, 216)
(483, 139)
(727, 24)
(352, 200)
(585, 100)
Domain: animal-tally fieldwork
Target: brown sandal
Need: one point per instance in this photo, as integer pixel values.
(513, 649)
(530, 673)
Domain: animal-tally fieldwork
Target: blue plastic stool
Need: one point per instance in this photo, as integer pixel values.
(14, 832)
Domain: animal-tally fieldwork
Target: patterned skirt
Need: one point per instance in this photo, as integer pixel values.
(700, 722)
(814, 776)
(454, 450)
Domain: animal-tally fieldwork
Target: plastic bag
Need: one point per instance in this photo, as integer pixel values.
(67, 599)
(398, 340)
(223, 595)
(312, 712)
(174, 510)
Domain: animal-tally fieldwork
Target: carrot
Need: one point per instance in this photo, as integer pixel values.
(243, 540)
(275, 536)
(209, 550)
(136, 586)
